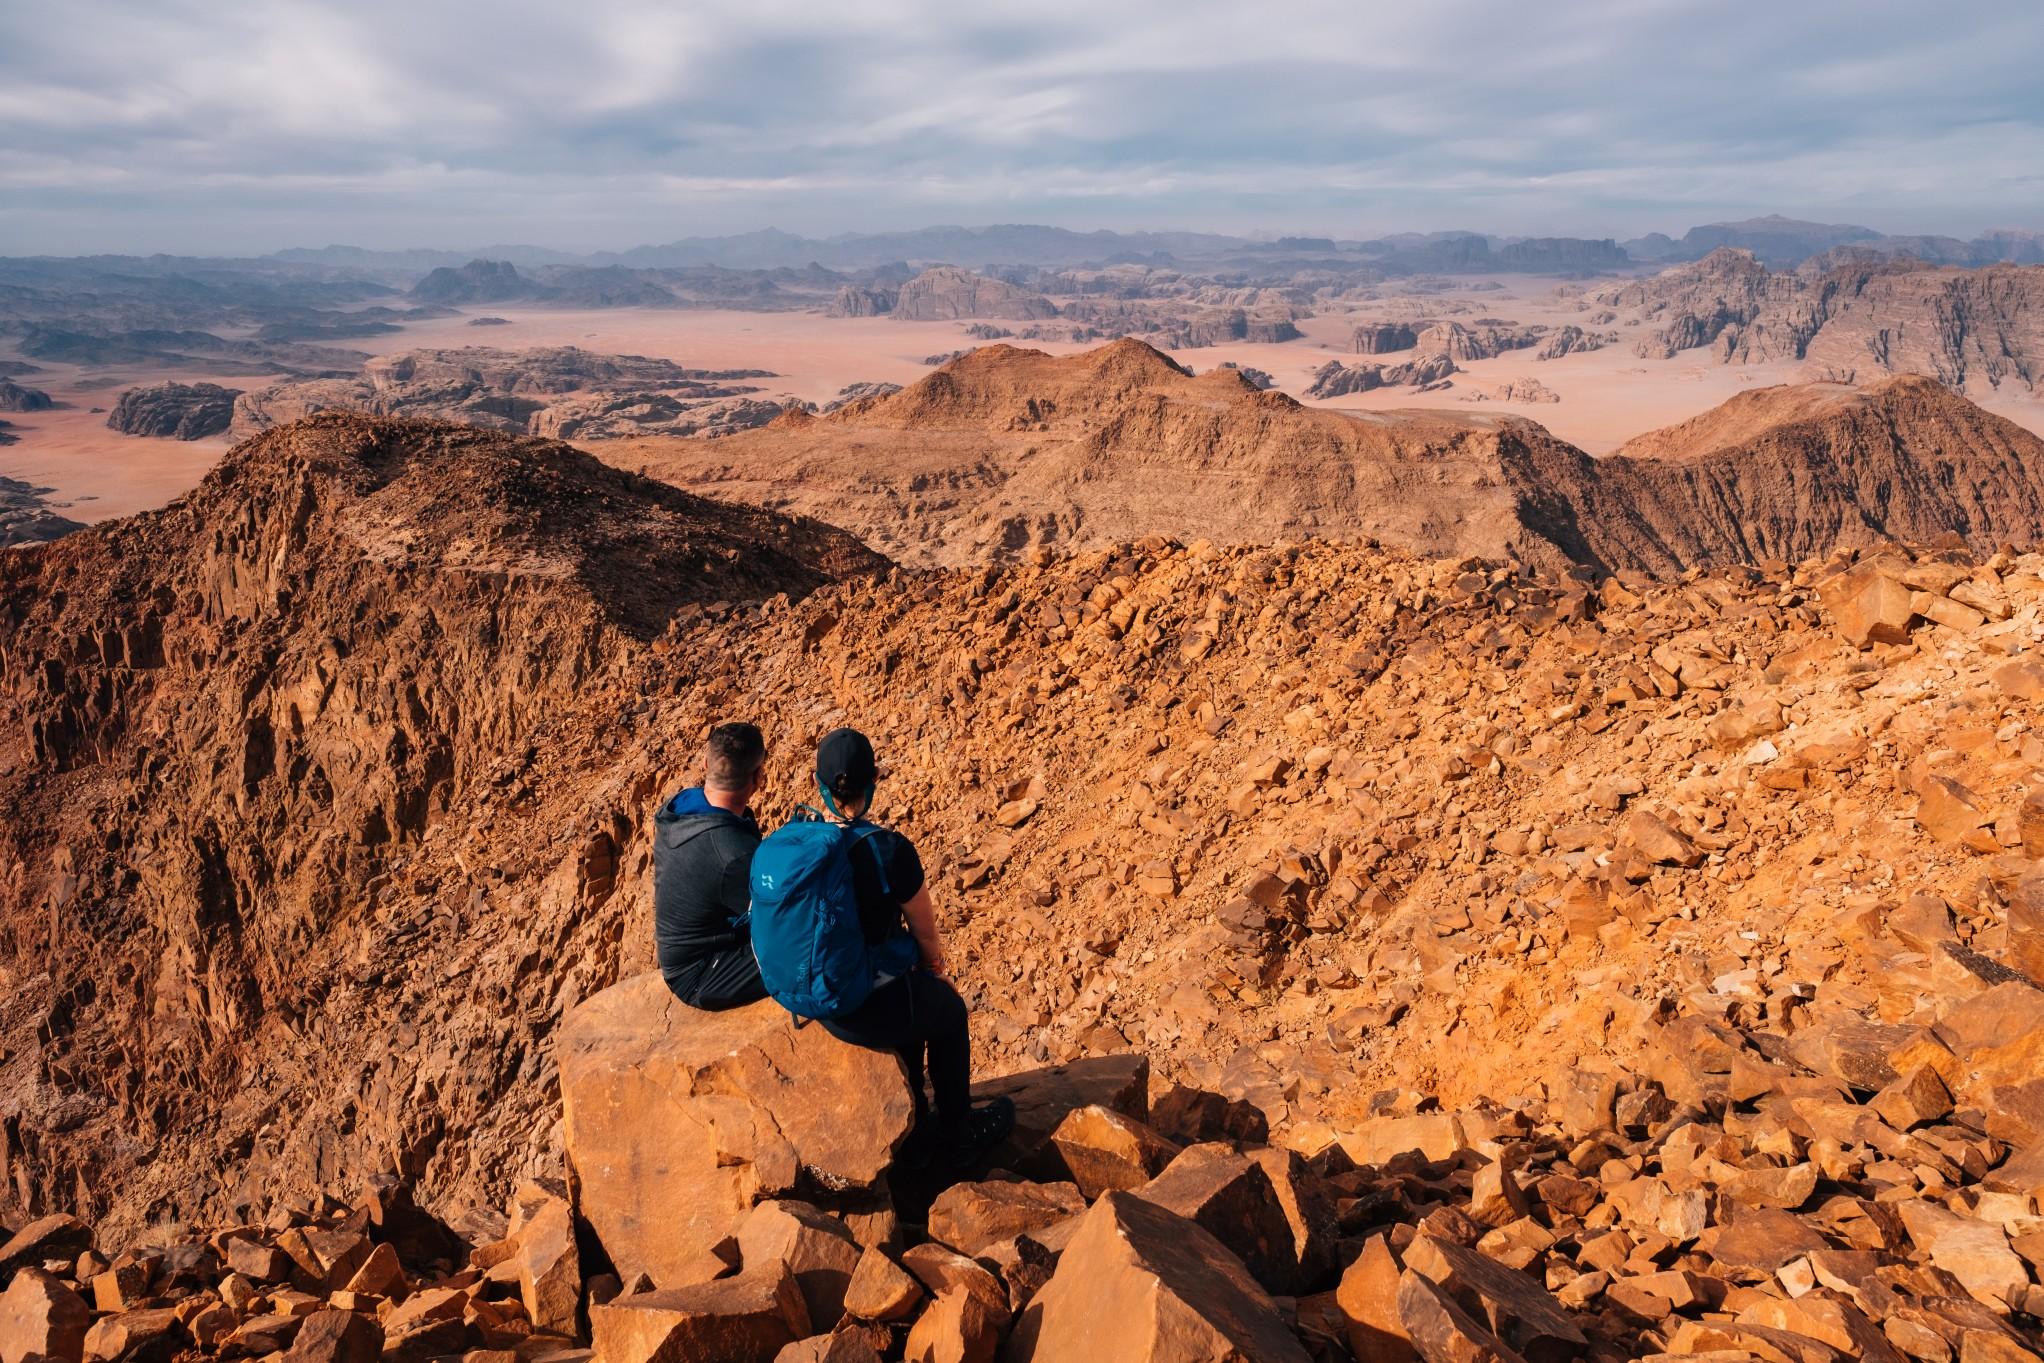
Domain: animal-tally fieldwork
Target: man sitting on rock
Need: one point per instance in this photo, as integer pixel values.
(703, 840)
(915, 1013)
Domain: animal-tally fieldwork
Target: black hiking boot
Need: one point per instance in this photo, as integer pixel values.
(985, 1127)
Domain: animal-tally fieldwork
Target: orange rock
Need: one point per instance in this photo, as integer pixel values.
(970, 1216)
(41, 1318)
(549, 1265)
(746, 1319)
(1140, 1285)
(747, 1104)
(336, 1337)
(1368, 1298)
(957, 1328)
(1869, 607)
(817, 1249)
(1104, 1149)
(881, 1289)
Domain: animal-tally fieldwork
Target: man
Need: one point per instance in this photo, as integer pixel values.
(913, 1012)
(703, 841)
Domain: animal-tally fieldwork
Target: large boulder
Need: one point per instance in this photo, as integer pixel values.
(1139, 1284)
(679, 1122)
(42, 1318)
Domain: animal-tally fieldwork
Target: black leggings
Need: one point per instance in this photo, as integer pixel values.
(726, 980)
(909, 1015)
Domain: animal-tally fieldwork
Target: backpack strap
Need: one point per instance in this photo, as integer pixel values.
(860, 833)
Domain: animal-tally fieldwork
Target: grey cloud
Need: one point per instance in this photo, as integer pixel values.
(204, 125)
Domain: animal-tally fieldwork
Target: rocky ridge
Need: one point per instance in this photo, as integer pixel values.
(1005, 450)
(1538, 966)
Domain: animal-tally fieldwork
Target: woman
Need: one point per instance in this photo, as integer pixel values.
(916, 1013)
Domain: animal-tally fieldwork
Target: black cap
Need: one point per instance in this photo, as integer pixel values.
(845, 765)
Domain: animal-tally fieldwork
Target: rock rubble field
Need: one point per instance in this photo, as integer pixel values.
(1390, 957)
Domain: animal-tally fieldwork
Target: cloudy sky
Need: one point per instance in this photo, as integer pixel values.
(241, 125)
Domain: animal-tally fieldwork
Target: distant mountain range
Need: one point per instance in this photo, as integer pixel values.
(1777, 241)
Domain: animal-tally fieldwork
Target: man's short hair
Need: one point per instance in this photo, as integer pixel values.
(736, 753)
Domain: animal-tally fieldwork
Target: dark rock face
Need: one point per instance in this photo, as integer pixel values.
(1550, 254)
(479, 281)
(16, 398)
(25, 518)
(181, 411)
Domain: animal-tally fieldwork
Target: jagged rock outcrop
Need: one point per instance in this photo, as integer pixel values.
(1376, 338)
(1975, 330)
(1424, 370)
(1572, 340)
(1481, 340)
(15, 397)
(561, 392)
(180, 411)
(853, 301)
(946, 293)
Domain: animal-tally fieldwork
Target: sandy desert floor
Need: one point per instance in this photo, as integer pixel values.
(1607, 396)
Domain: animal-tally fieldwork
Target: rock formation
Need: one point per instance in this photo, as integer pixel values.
(1572, 340)
(15, 397)
(852, 301)
(1974, 330)
(180, 411)
(1481, 340)
(1393, 957)
(1335, 379)
(479, 281)
(1006, 450)
(25, 518)
(1377, 338)
(561, 392)
(1521, 389)
(860, 392)
(946, 293)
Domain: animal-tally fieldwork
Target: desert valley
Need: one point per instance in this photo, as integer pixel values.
(1481, 794)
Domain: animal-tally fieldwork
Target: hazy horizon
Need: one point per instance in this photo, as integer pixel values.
(195, 127)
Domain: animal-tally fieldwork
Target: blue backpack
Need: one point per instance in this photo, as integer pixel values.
(806, 935)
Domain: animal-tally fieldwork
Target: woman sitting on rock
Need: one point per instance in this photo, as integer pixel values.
(911, 1008)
